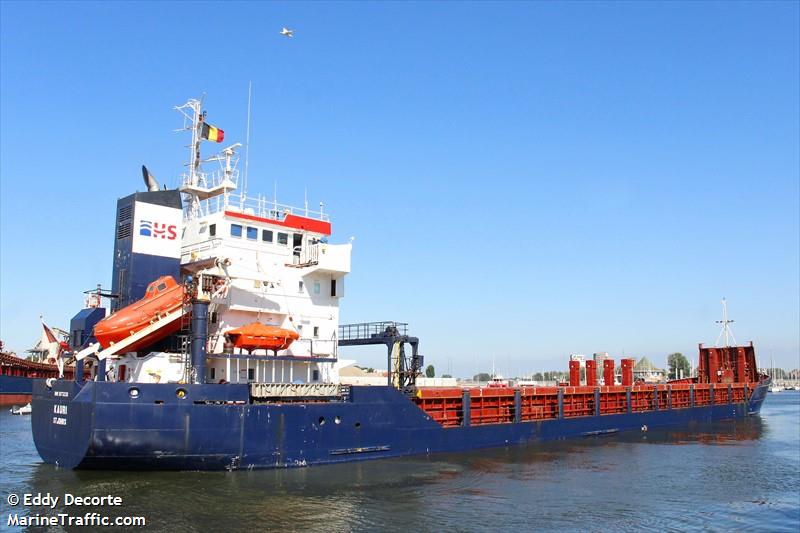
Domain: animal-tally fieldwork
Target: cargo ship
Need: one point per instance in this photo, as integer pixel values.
(222, 352)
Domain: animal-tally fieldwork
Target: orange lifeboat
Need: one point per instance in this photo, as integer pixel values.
(258, 336)
(163, 296)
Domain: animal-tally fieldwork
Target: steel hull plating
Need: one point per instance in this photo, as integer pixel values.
(15, 390)
(98, 425)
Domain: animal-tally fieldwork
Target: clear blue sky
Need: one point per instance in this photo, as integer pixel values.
(524, 180)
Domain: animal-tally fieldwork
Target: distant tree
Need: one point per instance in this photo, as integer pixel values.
(446, 376)
(483, 376)
(678, 365)
(555, 375)
(538, 377)
(430, 372)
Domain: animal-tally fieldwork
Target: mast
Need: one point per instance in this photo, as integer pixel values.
(193, 120)
(726, 329)
(247, 143)
(196, 183)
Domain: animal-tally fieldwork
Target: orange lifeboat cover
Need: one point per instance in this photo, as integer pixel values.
(163, 296)
(258, 336)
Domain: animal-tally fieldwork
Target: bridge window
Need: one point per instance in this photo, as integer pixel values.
(266, 235)
(251, 373)
(315, 375)
(236, 230)
(213, 372)
(316, 332)
(333, 287)
(252, 233)
(283, 238)
(212, 230)
(299, 286)
(316, 287)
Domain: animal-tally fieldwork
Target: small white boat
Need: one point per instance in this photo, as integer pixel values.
(24, 410)
(775, 388)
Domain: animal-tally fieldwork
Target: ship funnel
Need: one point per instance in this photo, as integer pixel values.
(149, 180)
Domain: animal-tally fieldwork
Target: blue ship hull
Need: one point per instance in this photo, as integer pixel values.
(97, 425)
(16, 385)
(15, 389)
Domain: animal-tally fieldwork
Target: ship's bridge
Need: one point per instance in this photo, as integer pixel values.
(216, 215)
(267, 228)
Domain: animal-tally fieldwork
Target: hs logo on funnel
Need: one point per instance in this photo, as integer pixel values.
(157, 230)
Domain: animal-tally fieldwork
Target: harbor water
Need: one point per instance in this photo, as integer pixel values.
(742, 475)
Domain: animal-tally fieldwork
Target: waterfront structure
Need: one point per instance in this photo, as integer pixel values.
(645, 370)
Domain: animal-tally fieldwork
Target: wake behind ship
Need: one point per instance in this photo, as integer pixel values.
(222, 352)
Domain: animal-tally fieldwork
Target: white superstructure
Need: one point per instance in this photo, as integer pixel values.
(268, 262)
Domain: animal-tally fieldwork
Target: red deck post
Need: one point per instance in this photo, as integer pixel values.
(591, 373)
(608, 372)
(741, 365)
(574, 373)
(713, 365)
(627, 372)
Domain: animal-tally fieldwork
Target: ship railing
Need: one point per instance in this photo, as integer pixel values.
(212, 179)
(369, 330)
(303, 349)
(306, 346)
(308, 255)
(214, 242)
(258, 206)
(300, 391)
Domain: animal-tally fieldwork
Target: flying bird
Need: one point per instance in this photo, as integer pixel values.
(286, 32)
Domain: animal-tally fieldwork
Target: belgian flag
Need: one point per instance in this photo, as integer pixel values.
(212, 133)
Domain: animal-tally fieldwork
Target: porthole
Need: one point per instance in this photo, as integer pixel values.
(357, 425)
(180, 393)
(338, 420)
(322, 421)
(133, 392)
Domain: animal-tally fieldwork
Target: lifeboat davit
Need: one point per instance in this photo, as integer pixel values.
(258, 336)
(163, 297)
